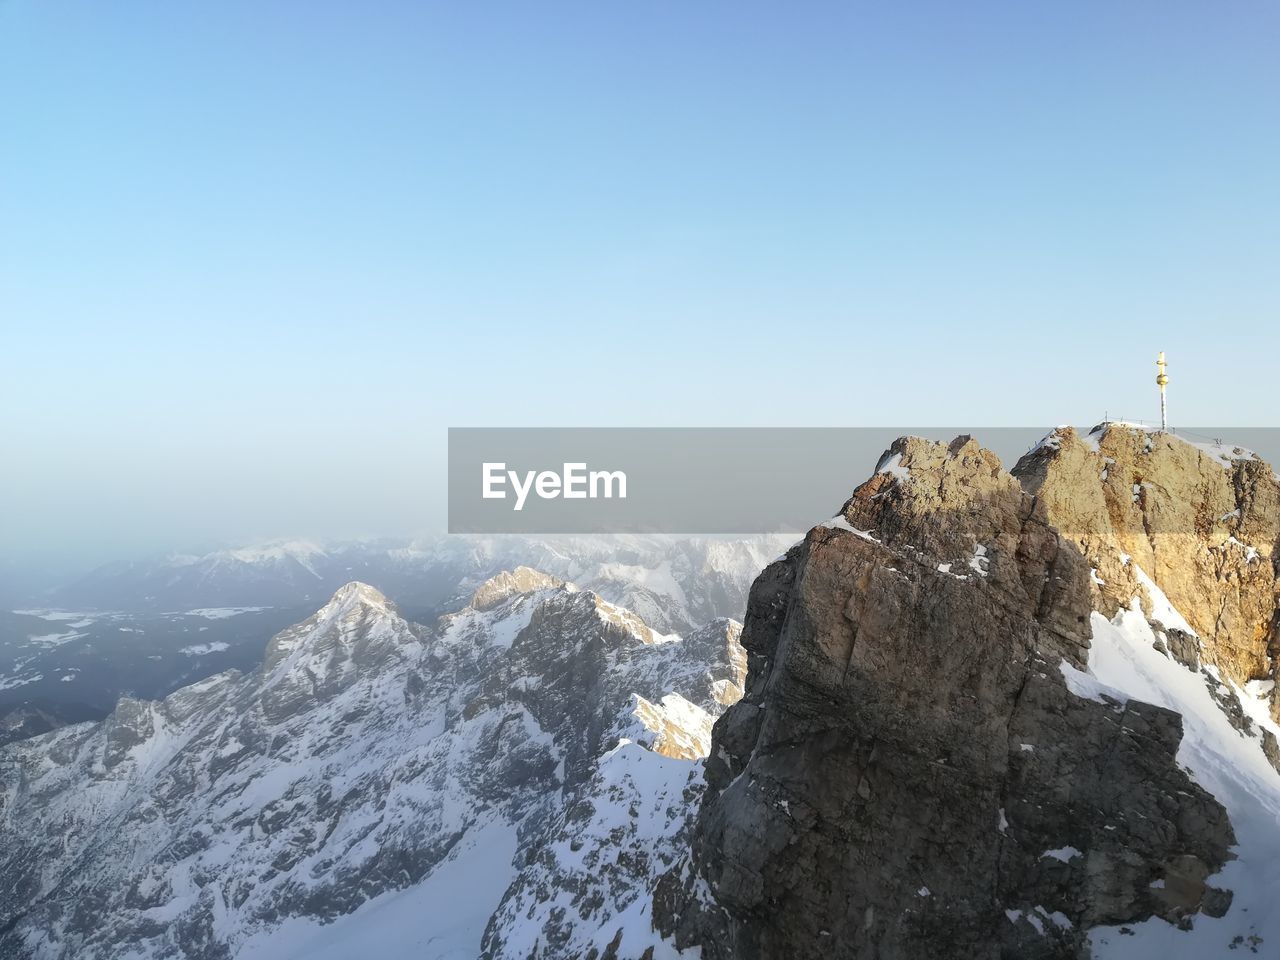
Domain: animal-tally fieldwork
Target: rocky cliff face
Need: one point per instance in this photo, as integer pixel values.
(919, 766)
(1200, 520)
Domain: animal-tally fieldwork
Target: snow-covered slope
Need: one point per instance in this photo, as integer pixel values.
(1129, 658)
(375, 786)
(1183, 538)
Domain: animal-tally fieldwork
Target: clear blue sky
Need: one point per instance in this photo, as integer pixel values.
(256, 257)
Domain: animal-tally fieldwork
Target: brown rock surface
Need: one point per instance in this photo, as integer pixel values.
(508, 583)
(907, 774)
(1201, 522)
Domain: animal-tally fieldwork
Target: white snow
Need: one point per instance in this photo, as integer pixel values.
(441, 918)
(1225, 762)
(1050, 441)
(838, 522)
(202, 649)
(44, 614)
(979, 561)
(1065, 854)
(1250, 553)
(679, 723)
(302, 552)
(893, 465)
(1057, 917)
(1031, 918)
(10, 683)
(1223, 454)
(410, 768)
(54, 639)
(1255, 701)
(658, 579)
(1086, 685)
(637, 810)
(1162, 611)
(222, 613)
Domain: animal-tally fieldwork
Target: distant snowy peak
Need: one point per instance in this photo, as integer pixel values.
(508, 583)
(356, 595)
(562, 598)
(674, 583)
(281, 558)
(347, 780)
(299, 551)
(358, 632)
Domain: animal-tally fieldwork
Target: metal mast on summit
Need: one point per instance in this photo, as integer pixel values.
(1163, 380)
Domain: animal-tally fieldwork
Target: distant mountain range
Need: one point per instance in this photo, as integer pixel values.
(375, 787)
(144, 629)
(675, 582)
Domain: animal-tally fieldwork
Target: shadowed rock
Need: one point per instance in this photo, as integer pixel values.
(908, 775)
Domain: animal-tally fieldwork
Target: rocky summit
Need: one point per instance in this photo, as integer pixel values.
(1201, 520)
(922, 764)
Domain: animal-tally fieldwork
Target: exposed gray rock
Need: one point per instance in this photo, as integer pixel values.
(1271, 748)
(908, 775)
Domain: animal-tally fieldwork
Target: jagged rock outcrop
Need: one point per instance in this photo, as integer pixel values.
(1201, 520)
(508, 583)
(908, 774)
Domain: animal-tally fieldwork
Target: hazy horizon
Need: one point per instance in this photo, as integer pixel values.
(56, 563)
(256, 262)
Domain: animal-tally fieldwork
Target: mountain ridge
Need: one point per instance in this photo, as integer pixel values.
(978, 713)
(362, 758)
(941, 620)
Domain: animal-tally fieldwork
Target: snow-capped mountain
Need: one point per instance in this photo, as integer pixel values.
(144, 630)
(977, 714)
(374, 783)
(676, 583)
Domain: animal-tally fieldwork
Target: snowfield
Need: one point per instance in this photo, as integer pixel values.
(1124, 662)
(442, 918)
